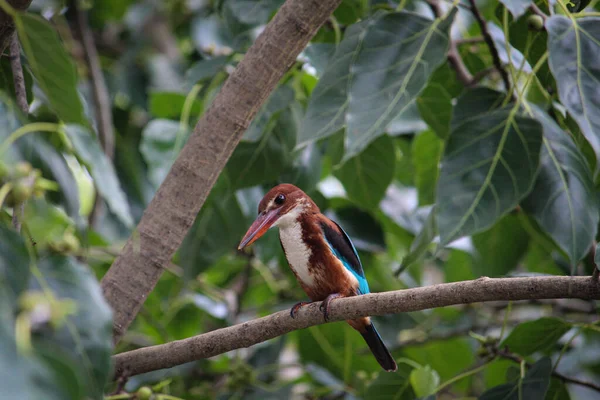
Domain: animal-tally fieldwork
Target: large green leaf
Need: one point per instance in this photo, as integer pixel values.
(435, 106)
(427, 150)
(378, 70)
(500, 248)
(574, 58)
(85, 339)
(563, 201)
(367, 175)
(490, 164)
(533, 336)
(532, 386)
(278, 101)
(87, 148)
(253, 12)
(516, 59)
(52, 67)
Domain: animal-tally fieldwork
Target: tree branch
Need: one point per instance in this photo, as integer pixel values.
(490, 43)
(259, 330)
(7, 25)
(171, 212)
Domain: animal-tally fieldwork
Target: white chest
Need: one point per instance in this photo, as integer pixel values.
(297, 253)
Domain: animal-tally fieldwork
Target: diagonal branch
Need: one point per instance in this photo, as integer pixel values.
(259, 330)
(490, 43)
(171, 212)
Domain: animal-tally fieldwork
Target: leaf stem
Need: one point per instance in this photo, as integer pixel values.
(464, 375)
(29, 128)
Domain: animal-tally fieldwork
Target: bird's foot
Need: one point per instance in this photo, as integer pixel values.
(325, 304)
(296, 307)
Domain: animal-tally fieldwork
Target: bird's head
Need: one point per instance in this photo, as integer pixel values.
(281, 206)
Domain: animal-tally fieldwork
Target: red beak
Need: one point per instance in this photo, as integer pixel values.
(259, 227)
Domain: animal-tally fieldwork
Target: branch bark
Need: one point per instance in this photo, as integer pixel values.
(7, 25)
(259, 330)
(171, 212)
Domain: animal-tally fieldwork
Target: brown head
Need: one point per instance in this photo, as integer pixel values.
(280, 206)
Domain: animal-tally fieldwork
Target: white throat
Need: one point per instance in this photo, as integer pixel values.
(296, 252)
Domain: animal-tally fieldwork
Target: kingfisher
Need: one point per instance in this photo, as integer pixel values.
(321, 256)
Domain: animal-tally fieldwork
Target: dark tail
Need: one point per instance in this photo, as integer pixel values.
(381, 353)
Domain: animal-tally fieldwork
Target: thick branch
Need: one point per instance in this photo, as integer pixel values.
(259, 330)
(490, 43)
(169, 216)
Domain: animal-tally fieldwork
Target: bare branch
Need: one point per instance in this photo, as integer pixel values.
(490, 43)
(7, 25)
(259, 330)
(173, 209)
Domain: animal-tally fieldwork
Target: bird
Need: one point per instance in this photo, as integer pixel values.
(321, 256)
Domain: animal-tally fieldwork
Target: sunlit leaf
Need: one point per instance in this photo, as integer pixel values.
(517, 7)
(424, 380)
(427, 150)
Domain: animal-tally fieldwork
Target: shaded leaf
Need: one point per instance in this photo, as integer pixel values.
(278, 101)
(52, 67)
(564, 201)
(367, 175)
(422, 241)
(380, 66)
(533, 385)
(253, 12)
(318, 55)
(361, 227)
(435, 106)
(427, 150)
(424, 380)
(489, 165)
(102, 170)
(574, 58)
(500, 248)
(533, 336)
(158, 147)
(394, 386)
(205, 69)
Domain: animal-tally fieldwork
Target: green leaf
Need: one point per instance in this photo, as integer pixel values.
(378, 70)
(517, 7)
(318, 55)
(45, 222)
(367, 175)
(564, 201)
(278, 101)
(252, 164)
(424, 381)
(170, 105)
(107, 183)
(574, 56)
(500, 248)
(435, 106)
(87, 335)
(490, 164)
(533, 336)
(52, 67)
(157, 146)
(394, 386)
(422, 241)
(557, 390)
(427, 150)
(534, 384)
(516, 57)
(253, 12)
(205, 69)
(14, 266)
(305, 170)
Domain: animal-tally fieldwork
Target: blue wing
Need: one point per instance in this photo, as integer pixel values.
(341, 246)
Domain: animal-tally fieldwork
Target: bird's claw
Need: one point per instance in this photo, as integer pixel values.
(296, 307)
(324, 307)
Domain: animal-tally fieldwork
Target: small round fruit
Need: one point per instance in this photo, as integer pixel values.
(23, 169)
(535, 23)
(21, 193)
(143, 393)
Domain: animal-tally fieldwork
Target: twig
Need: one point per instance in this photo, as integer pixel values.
(471, 40)
(259, 330)
(102, 104)
(454, 58)
(490, 43)
(513, 357)
(21, 95)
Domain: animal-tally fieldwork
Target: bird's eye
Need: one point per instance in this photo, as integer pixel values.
(279, 199)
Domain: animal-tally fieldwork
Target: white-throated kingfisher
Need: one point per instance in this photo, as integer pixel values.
(320, 254)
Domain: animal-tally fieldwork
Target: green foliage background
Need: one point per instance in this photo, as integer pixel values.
(434, 181)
